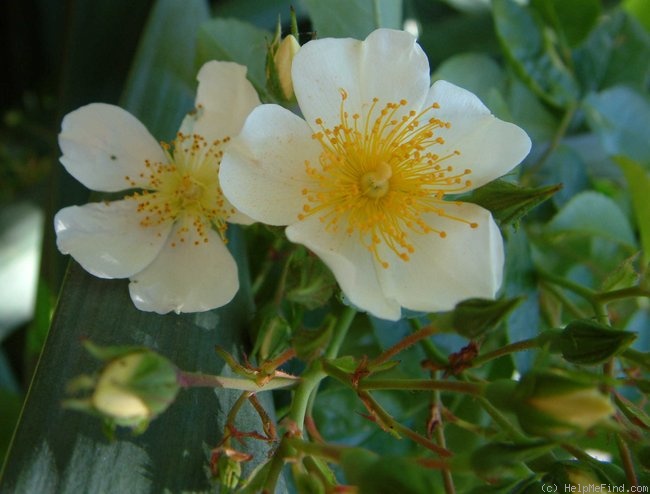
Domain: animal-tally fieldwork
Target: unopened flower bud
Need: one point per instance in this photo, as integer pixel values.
(554, 403)
(134, 388)
(283, 59)
(588, 342)
(279, 59)
(578, 476)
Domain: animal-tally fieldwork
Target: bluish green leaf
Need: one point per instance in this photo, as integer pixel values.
(565, 166)
(462, 69)
(235, 41)
(616, 52)
(525, 320)
(593, 214)
(621, 117)
(527, 111)
(531, 51)
(353, 18)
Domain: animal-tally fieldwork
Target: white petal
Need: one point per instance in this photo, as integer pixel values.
(488, 146)
(441, 272)
(186, 277)
(223, 101)
(263, 170)
(107, 238)
(388, 65)
(102, 144)
(353, 266)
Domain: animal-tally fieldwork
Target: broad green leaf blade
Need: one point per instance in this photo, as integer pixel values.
(353, 18)
(235, 41)
(63, 451)
(161, 86)
(70, 451)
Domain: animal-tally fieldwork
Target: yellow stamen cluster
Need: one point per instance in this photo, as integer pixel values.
(377, 176)
(184, 189)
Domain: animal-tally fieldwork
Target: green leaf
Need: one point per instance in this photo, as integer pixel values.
(475, 317)
(572, 20)
(530, 49)
(508, 202)
(462, 69)
(616, 52)
(353, 18)
(621, 117)
(593, 214)
(638, 181)
(565, 166)
(235, 41)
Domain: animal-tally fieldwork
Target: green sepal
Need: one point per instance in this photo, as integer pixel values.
(475, 317)
(632, 412)
(587, 342)
(508, 202)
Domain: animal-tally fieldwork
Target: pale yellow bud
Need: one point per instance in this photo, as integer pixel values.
(112, 395)
(582, 408)
(283, 59)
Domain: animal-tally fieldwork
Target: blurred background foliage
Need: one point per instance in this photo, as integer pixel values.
(574, 74)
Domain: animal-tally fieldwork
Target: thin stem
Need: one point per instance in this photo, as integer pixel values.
(389, 424)
(501, 419)
(315, 374)
(555, 141)
(198, 380)
(505, 350)
(441, 440)
(340, 331)
(587, 293)
(328, 451)
(405, 343)
(626, 460)
(432, 352)
(630, 292)
(421, 384)
(571, 307)
(265, 269)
